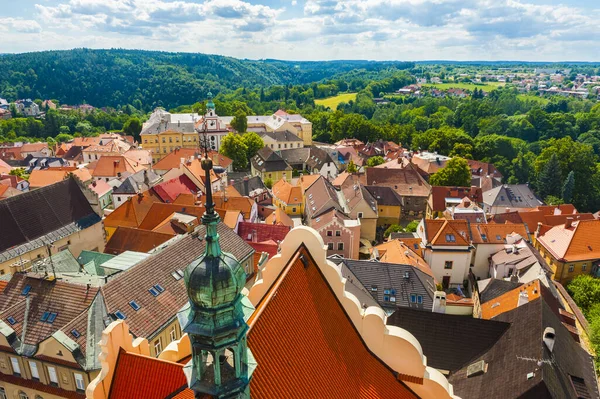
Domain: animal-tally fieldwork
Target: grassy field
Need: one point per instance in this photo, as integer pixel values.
(332, 102)
(466, 86)
(531, 97)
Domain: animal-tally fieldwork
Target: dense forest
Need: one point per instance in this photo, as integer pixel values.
(147, 79)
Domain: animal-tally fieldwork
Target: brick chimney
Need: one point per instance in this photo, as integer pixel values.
(568, 223)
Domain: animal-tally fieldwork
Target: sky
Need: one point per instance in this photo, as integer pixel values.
(528, 30)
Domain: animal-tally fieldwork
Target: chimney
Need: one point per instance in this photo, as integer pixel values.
(182, 161)
(549, 338)
(246, 190)
(254, 236)
(439, 302)
(507, 210)
(569, 223)
(523, 298)
(231, 182)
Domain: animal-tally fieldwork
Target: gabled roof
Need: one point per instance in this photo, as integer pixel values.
(132, 211)
(495, 288)
(511, 196)
(443, 336)
(580, 241)
(320, 197)
(45, 177)
(385, 196)
(138, 182)
(439, 194)
(521, 365)
(279, 217)
(397, 251)
(281, 136)
(170, 190)
(242, 204)
(263, 231)
(378, 277)
(266, 160)
(305, 304)
(247, 187)
(173, 159)
(287, 193)
(110, 166)
(447, 232)
(33, 147)
(406, 181)
(134, 283)
(491, 233)
(510, 300)
(36, 213)
(132, 239)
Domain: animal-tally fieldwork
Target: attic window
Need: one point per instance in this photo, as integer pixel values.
(44, 317)
(476, 369)
(498, 237)
(176, 276)
(120, 315)
(75, 333)
(450, 238)
(51, 317)
(11, 320)
(26, 290)
(159, 288)
(134, 305)
(374, 288)
(484, 237)
(153, 292)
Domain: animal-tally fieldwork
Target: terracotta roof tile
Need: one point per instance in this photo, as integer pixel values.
(510, 300)
(108, 166)
(133, 372)
(322, 330)
(447, 232)
(484, 233)
(264, 232)
(405, 181)
(242, 204)
(279, 217)
(287, 193)
(170, 190)
(132, 239)
(394, 251)
(581, 241)
(438, 195)
(133, 211)
(173, 159)
(45, 177)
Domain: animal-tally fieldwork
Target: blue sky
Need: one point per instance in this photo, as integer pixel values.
(534, 30)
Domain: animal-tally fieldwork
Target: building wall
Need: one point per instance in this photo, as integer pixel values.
(413, 206)
(274, 176)
(481, 259)
(460, 264)
(368, 221)
(290, 209)
(328, 170)
(119, 199)
(91, 239)
(160, 144)
(389, 215)
(560, 270)
(281, 145)
(349, 237)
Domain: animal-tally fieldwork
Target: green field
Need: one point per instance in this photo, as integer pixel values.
(466, 86)
(531, 97)
(332, 102)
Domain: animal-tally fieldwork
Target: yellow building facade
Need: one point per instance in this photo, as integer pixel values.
(160, 144)
(389, 214)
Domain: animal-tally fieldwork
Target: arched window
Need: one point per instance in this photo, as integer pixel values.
(23, 395)
(38, 397)
(2, 393)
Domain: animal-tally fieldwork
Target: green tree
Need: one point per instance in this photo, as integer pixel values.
(552, 200)
(351, 167)
(85, 128)
(456, 173)
(133, 127)
(64, 130)
(585, 291)
(63, 138)
(253, 143)
(412, 226)
(394, 228)
(240, 122)
(233, 146)
(20, 173)
(268, 183)
(568, 187)
(549, 181)
(374, 161)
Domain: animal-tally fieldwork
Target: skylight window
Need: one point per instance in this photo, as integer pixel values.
(26, 290)
(135, 305)
(153, 292)
(159, 288)
(120, 315)
(180, 272)
(11, 320)
(52, 317)
(176, 276)
(498, 237)
(45, 316)
(450, 238)
(75, 333)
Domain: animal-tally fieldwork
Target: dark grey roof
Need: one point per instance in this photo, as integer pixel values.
(138, 182)
(449, 341)
(37, 163)
(377, 277)
(511, 196)
(521, 365)
(52, 212)
(268, 161)
(318, 158)
(296, 155)
(385, 195)
(495, 288)
(73, 152)
(244, 187)
(281, 136)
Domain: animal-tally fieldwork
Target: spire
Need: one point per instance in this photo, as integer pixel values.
(210, 218)
(210, 105)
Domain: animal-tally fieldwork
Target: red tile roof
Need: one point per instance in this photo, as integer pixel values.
(580, 241)
(264, 232)
(133, 372)
(320, 329)
(438, 195)
(169, 191)
(173, 159)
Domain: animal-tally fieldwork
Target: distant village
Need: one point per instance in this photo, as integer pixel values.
(369, 276)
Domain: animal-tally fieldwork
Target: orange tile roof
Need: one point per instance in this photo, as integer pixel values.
(133, 211)
(173, 159)
(305, 181)
(495, 233)
(133, 373)
(3, 284)
(133, 239)
(510, 300)
(324, 356)
(279, 217)
(438, 232)
(109, 165)
(159, 211)
(579, 242)
(231, 218)
(395, 251)
(242, 204)
(45, 177)
(287, 193)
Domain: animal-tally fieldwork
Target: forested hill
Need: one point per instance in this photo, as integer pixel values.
(118, 77)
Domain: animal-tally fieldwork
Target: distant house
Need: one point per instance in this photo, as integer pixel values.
(132, 185)
(281, 140)
(35, 149)
(340, 234)
(268, 165)
(510, 197)
(104, 191)
(253, 187)
(359, 204)
(288, 197)
(27, 107)
(111, 167)
(440, 198)
(312, 160)
(389, 204)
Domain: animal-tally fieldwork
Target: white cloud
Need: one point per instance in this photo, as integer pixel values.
(327, 29)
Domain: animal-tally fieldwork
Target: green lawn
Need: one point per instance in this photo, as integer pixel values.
(531, 97)
(332, 102)
(466, 86)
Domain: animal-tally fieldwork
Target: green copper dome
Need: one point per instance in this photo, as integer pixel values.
(210, 104)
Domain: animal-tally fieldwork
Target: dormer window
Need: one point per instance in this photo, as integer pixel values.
(450, 238)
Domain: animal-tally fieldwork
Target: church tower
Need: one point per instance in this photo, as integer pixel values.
(214, 317)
